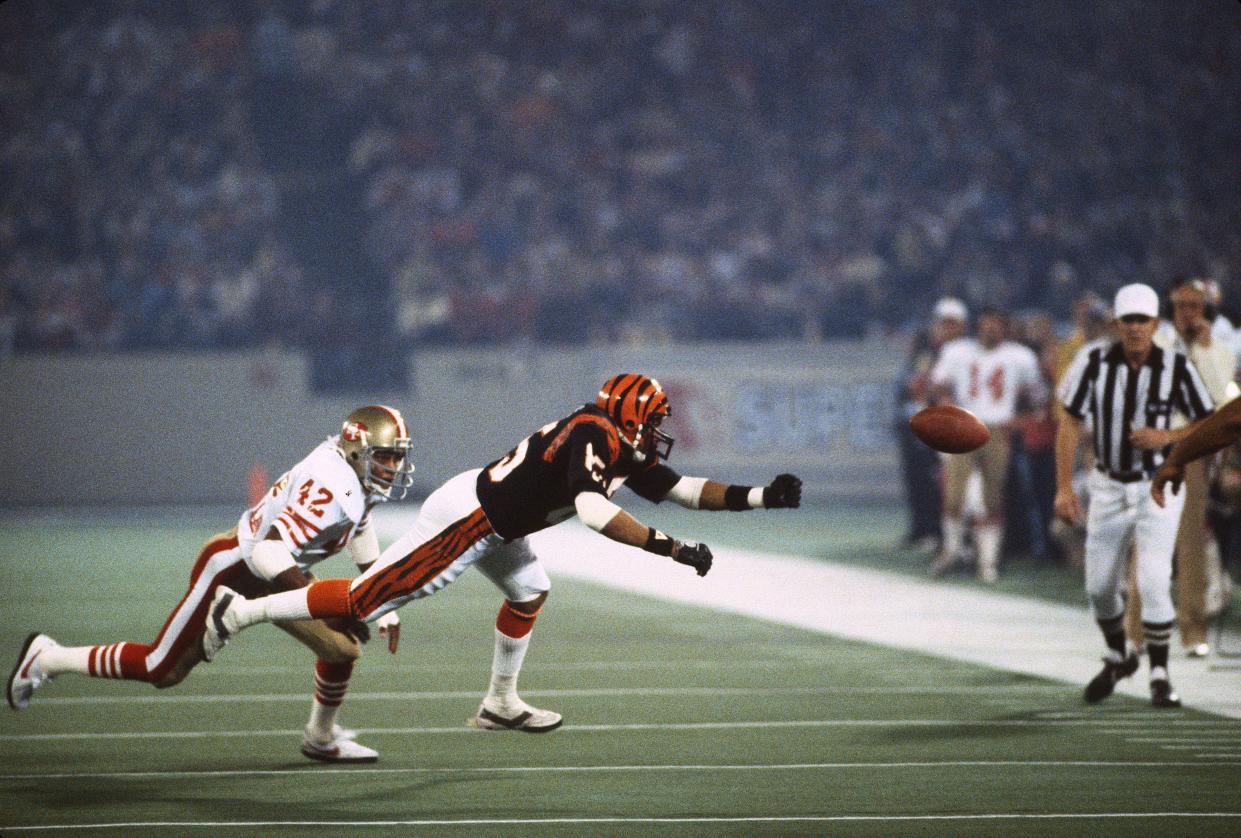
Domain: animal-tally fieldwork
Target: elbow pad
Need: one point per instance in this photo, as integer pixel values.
(595, 510)
(270, 559)
(687, 492)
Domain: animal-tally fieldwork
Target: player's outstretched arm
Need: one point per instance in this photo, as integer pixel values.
(784, 492)
(608, 519)
(1209, 435)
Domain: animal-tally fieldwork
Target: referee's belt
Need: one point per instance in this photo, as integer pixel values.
(1125, 476)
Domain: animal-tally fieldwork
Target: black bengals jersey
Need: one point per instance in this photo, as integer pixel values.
(534, 485)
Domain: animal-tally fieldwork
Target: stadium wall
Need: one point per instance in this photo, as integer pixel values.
(189, 428)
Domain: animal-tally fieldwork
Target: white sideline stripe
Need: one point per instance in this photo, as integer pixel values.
(573, 769)
(583, 728)
(652, 820)
(561, 693)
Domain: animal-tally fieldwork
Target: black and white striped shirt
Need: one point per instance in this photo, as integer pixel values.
(1100, 386)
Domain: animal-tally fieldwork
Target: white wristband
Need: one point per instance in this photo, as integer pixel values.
(755, 498)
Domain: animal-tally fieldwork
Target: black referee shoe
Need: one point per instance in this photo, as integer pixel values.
(1162, 694)
(1103, 684)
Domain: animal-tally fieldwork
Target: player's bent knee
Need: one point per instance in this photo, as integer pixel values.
(175, 675)
(327, 643)
(335, 647)
(529, 606)
(340, 652)
(169, 680)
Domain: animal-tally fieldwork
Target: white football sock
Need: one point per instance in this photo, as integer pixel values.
(286, 605)
(988, 536)
(322, 718)
(61, 659)
(954, 534)
(506, 662)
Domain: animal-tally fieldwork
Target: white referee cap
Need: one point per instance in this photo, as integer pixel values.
(1136, 299)
(950, 308)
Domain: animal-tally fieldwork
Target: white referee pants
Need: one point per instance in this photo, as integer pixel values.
(1123, 515)
(512, 566)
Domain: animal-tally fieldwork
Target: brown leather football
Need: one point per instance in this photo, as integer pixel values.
(948, 428)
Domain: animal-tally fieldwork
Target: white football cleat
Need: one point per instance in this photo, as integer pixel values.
(514, 715)
(221, 622)
(27, 675)
(337, 749)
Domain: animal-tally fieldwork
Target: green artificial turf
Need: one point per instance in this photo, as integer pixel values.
(678, 720)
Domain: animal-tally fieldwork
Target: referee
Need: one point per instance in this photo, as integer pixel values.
(1127, 390)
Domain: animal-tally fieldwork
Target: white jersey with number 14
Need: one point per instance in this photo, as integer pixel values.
(987, 382)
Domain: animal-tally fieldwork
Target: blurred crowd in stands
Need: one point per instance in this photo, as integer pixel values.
(227, 174)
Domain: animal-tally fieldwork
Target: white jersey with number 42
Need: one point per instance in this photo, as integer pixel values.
(315, 507)
(987, 382)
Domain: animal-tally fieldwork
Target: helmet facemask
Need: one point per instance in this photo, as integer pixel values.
(652, 440)
(384, 481)
(638, 405)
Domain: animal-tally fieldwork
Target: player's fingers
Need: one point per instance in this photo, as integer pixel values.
(394, 637)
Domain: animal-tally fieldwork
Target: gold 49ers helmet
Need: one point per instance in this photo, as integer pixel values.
(379, 430)
(638, 405)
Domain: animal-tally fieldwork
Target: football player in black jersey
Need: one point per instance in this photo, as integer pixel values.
(567, 467)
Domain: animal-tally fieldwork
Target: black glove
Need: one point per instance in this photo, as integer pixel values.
(698, 556)
(356, 629)
(783, 493)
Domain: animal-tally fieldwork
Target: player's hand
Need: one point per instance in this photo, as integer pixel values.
(390, 625)
(783, 493)
(356, 629)
(698, 556)
(1068, 506)
(1150, 439)
(1168, 474)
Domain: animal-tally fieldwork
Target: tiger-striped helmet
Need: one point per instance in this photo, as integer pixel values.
(372, 430)
(638, 405)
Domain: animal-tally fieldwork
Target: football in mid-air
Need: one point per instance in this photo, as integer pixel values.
(950, 429)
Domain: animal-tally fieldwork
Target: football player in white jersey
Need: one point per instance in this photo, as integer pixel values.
(990, 377)
(571, 466)
(313, 511)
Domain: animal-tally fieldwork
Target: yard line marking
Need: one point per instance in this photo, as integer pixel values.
(570, 769)
(440, 695)
(582, 728)
(579, 666)
(1186, 740)
(636, 820)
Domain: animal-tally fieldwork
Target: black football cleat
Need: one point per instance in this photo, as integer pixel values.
(1162, 694)
(1104, 684)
